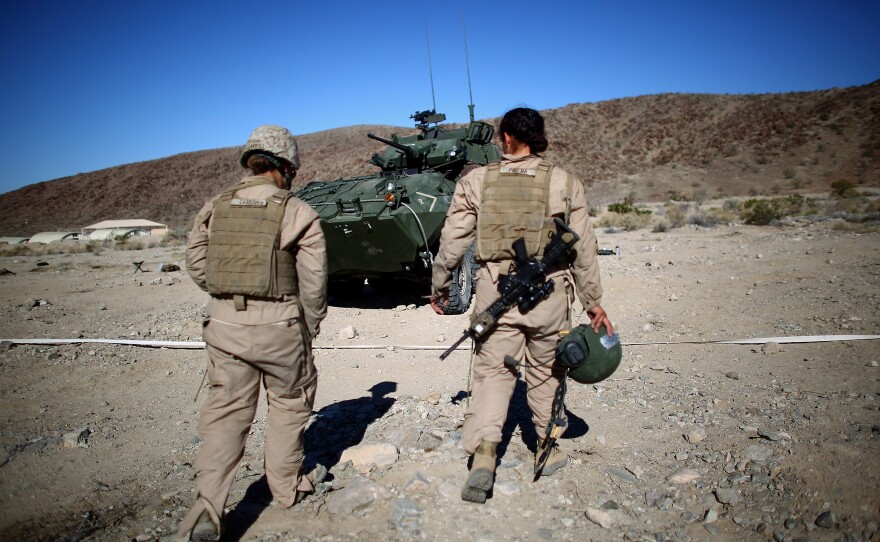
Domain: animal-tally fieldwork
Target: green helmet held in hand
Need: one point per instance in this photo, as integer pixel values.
(275, 140)
(590, 357)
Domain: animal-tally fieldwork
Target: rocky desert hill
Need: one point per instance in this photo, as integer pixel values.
(648, 148)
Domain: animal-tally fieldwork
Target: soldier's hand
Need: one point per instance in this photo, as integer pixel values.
(598, 317)
(440, 301)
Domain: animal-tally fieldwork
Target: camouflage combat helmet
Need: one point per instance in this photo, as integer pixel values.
(275, 140)
(590, 357)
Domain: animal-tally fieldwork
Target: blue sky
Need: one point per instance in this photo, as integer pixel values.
(92, 84)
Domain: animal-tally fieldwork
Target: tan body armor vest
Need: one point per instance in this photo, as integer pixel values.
(244, 256)
(515, 203)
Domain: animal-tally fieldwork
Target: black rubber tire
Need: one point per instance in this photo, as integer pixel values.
(464, 277)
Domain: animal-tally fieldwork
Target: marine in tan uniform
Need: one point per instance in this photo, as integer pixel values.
(494, 206)
(261, 255)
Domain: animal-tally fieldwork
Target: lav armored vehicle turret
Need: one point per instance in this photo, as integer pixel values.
(386, 227)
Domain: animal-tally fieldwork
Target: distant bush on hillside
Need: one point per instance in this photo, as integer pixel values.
(760, 212)
(843, 188)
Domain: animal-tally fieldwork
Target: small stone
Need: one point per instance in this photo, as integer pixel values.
(683, 475)
(872, 363)
(433, 397)
(348, 332)
(654, 496)
(733, 375)
(826, 520)
(712, 528)
(77, 438)
(789, 523)
(727, 496)
(758, 453)
(600, 438)
(711, 516)
(636, 470)
(742, 522)
(696, 435)
(773, 435)
(771, 347)
(622, 474)
(681, 456)
(602, 518)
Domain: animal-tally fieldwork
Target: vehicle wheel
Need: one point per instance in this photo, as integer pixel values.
(461, 291)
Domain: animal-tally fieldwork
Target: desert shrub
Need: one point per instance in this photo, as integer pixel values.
(626, 221)
(660, 227)
(675, 195)
(704, 220)
(872, 206)
(94, 246)
(627, 208)
(732, 205)
(17, 249)
(850, 227)
(760, 212)
(675, 214)
(175, 237)
(137, 242)
(843, 188)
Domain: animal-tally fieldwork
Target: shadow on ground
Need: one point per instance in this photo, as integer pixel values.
(386, 294)
(334, 428)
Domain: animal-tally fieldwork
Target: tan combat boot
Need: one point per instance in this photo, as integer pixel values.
(482, 473)
(208, 527)
(555, 461)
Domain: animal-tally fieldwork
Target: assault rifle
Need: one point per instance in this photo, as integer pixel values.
(525, 286)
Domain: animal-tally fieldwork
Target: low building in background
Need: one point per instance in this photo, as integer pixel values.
(110, 229)
(46, 237)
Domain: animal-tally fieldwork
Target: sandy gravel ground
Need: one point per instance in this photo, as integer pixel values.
(689, 440)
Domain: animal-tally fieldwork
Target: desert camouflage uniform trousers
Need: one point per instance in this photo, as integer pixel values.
(529, 338)
(239, 358)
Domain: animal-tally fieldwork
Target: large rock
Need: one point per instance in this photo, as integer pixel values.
(370, 454)
(356, 497)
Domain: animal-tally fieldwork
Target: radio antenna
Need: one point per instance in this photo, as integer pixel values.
(467, 64)
(430, 69)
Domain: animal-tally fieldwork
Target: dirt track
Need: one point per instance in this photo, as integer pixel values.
(773, 436)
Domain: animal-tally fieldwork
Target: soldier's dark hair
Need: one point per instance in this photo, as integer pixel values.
(527, 126)
(261, 163)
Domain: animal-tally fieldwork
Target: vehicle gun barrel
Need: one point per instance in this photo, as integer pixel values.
(403, 148)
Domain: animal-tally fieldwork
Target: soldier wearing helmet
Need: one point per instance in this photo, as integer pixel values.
(260, 253)
(494, 206)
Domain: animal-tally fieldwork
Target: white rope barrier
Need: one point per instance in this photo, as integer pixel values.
(196, 345)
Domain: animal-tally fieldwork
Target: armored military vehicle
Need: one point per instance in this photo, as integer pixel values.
(385, 227)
